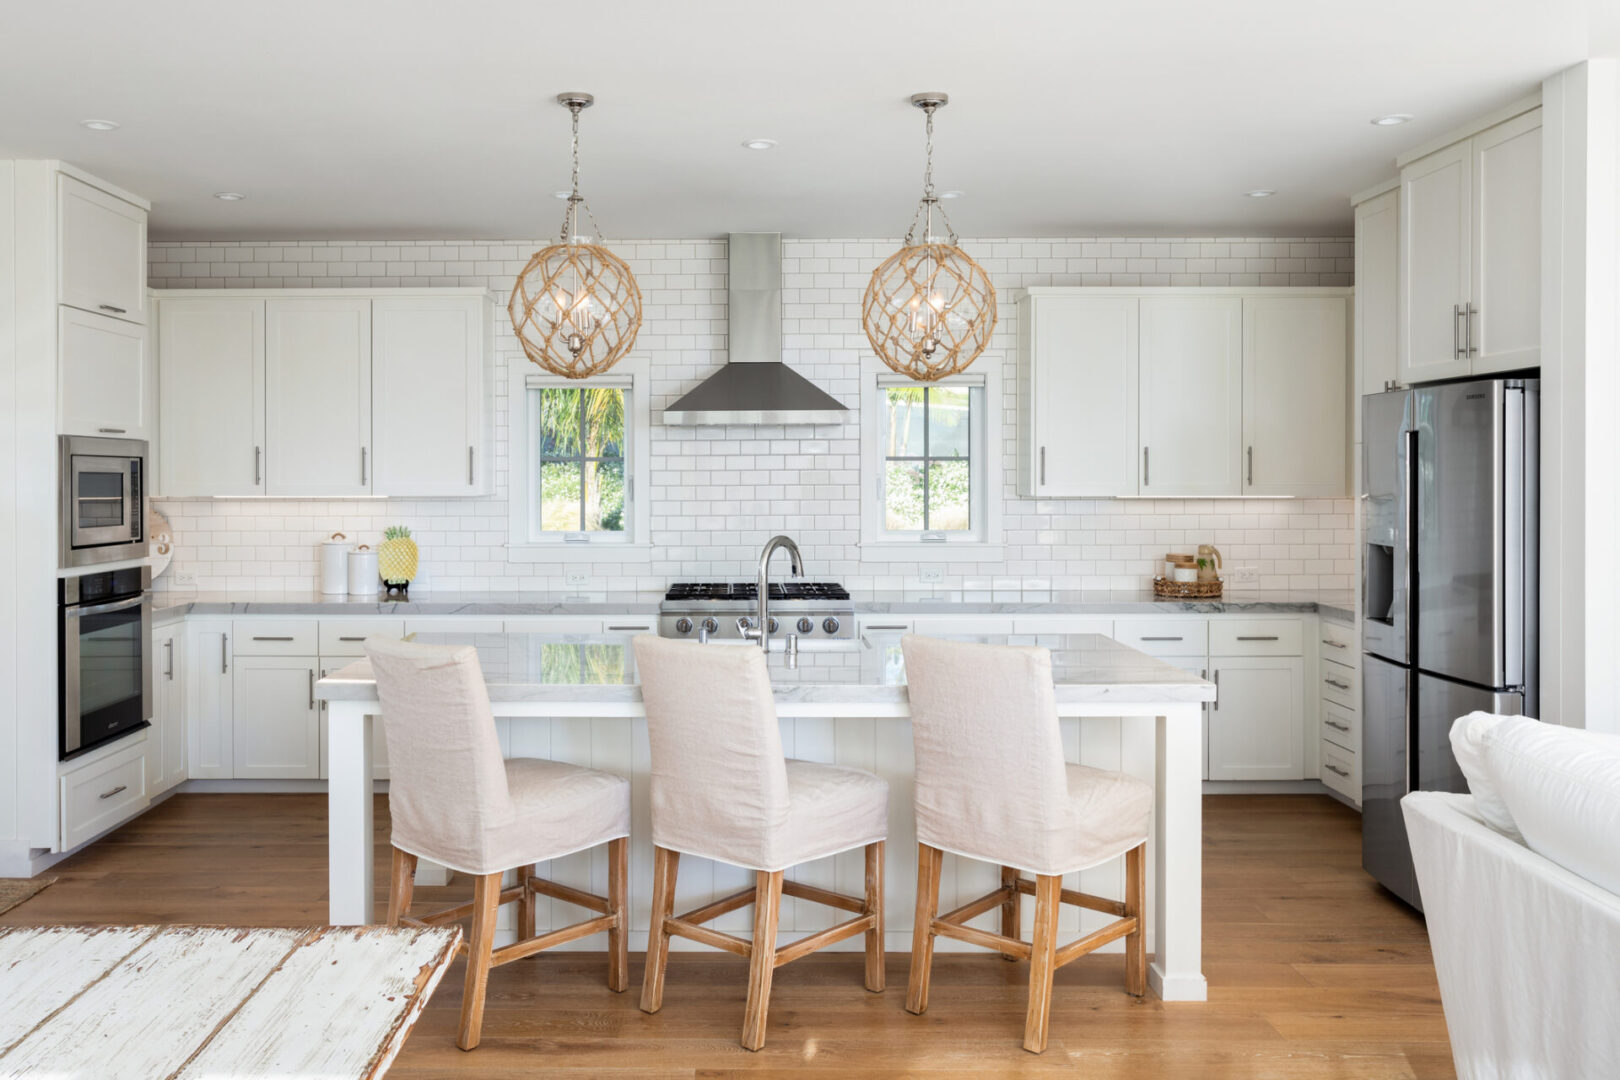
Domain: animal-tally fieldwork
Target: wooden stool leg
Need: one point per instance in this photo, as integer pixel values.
(665, 865)
(762, 959)
(875, 980)
(525, 926)
(1011, 915)
(1136, 944)
(480, 947)
(401, 883)
(1042, 960)
(618, 906)
(922, 934)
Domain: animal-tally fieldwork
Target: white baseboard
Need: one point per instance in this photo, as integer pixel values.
(1265, 787)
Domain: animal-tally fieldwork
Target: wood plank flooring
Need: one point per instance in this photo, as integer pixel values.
(1314, 971)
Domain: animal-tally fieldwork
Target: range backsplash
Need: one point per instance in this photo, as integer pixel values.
(715, 499)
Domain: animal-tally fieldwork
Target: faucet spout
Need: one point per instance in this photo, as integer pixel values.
(764, 584)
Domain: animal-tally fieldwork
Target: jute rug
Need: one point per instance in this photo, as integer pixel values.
(14, 891)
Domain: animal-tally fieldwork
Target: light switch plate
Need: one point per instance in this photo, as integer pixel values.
(930, 574)
(185, 579)
(576, 577)
(1243, 575)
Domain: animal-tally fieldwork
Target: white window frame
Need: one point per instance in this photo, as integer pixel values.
(634, 543)
(981, 543)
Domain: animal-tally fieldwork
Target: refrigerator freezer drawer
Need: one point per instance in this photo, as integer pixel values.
(1439, 703)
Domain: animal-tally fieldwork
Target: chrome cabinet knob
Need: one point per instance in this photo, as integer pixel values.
(805, 624)
(683, 625)
(830, 625)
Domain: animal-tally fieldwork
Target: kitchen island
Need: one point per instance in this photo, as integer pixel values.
(577, 699)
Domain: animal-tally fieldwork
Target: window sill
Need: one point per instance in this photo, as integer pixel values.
(885, 551)
(561, 551)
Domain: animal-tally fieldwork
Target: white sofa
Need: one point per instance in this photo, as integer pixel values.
(1527, 952)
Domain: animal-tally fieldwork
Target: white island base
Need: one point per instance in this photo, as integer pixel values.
(1145, 721)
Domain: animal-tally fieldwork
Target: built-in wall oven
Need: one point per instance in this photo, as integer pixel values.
(103, 500)
(104, 673)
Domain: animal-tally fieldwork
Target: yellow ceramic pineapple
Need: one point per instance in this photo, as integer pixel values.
(396, 558)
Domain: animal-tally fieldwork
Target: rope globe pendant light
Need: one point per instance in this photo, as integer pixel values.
(576, 307)
(929, 308)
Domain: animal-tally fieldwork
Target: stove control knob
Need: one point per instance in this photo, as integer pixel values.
(710, 624)
(805, 624)
(830, 625)
(744, 623)
(774, 624)
(683, 625)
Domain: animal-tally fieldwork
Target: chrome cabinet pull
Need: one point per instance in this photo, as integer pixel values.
(362, 466)
(1336, 725)
(112, 308)
(258, 457)
(875, 626)
(1456, 332)
(1251, 466)
(1257, 637)
(256, 637)
(629, 628)
(1337, 683)
(312, 689)
(114, 791)
(1144, 466)
(323, 704)
(111, 430)
(1217, 702)
(1469, 311)
(1147, 638)
(1336, 769)
(1043, 466)
(168, 671)
(470, 466)
(224, 643)
(1335, 644)
(345, 639)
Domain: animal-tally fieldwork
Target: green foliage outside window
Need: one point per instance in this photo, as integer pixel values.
(581, 459)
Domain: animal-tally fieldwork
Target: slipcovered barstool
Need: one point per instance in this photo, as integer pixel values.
(721, 790)
(454, 800)
(992, 785)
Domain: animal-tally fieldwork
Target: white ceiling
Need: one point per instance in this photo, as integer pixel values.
(423, 118)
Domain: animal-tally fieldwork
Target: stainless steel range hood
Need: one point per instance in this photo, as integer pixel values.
(754, 386)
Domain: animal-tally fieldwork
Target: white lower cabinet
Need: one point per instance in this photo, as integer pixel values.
(1256, 727)
(276, 730)
(166, 743)
(105, 791)
(209, 698)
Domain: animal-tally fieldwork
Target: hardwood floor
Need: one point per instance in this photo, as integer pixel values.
(1314, 971)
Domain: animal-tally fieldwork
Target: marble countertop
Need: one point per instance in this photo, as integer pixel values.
(601, 669)
(170, 605)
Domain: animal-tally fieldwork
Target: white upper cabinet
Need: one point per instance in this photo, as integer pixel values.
(1294, 380)
(427, 394)
(1077, 384)
(1377, 293)
(1505, 331)
(1191, 415)
(104, 377)
(1470, 267)
(102, 251)
(211, 394)
(317, 364)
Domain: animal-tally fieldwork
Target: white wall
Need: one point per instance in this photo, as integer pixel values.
(9, 751)
(719, 493)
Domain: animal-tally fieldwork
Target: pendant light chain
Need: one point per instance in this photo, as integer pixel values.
(929, 201)
(570, 227)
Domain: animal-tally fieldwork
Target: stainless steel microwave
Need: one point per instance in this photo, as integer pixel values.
(103, 500)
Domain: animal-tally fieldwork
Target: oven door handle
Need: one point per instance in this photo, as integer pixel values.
(98, 609)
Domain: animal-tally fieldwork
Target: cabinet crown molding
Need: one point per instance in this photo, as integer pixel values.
(1470, 129)
(293, 294)
(1183, 290)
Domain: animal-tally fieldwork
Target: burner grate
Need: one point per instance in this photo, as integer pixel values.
(739, 590)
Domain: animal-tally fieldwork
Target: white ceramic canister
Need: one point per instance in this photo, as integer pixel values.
(335, 564)
(363, 580)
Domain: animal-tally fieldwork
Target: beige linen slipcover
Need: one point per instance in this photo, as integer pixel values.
(452, 797)
(720, 787)
(991, 780)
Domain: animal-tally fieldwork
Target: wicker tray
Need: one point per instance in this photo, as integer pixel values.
(1186, 590)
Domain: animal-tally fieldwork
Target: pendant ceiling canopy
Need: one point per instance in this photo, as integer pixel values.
(576, 307)
(929, 308)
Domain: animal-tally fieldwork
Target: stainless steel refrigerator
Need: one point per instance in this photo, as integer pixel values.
(1448, 586)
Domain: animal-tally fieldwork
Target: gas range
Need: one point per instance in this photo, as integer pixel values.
(817, 611)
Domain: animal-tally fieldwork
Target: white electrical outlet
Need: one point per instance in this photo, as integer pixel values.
(931, 574)
(1243, 575)
(576, 577)
(185, 579)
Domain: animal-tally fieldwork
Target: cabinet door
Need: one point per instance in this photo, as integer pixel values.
(211, 389)
(167, 760)
(1435, 260)
(1377, 293)
(1294, 378)
(1083, 389)
(1199, 666)
(379, 741)
(102, 255)
(317, 363)
(1505, 321)
(209, 755)
(1256, 727)
(277, 734)
(103, 377)
(428, 395)
(1191, 350)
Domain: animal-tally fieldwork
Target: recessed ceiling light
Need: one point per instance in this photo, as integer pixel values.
(1392, 119)
(1260, 193)
(758, 144)
(229, 196)
(100, 125)
(952, 194)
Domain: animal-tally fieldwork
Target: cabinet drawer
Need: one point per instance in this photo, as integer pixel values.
(103, 794)
(1255, 637)
(453, 624)
(961, 624)
(1339, 772)
(1164, 637)
(1341, 685)
(1339, 643)
(1341, 727)
(1063, 624)
(346, 637)
(553, 624)
(274, 637)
